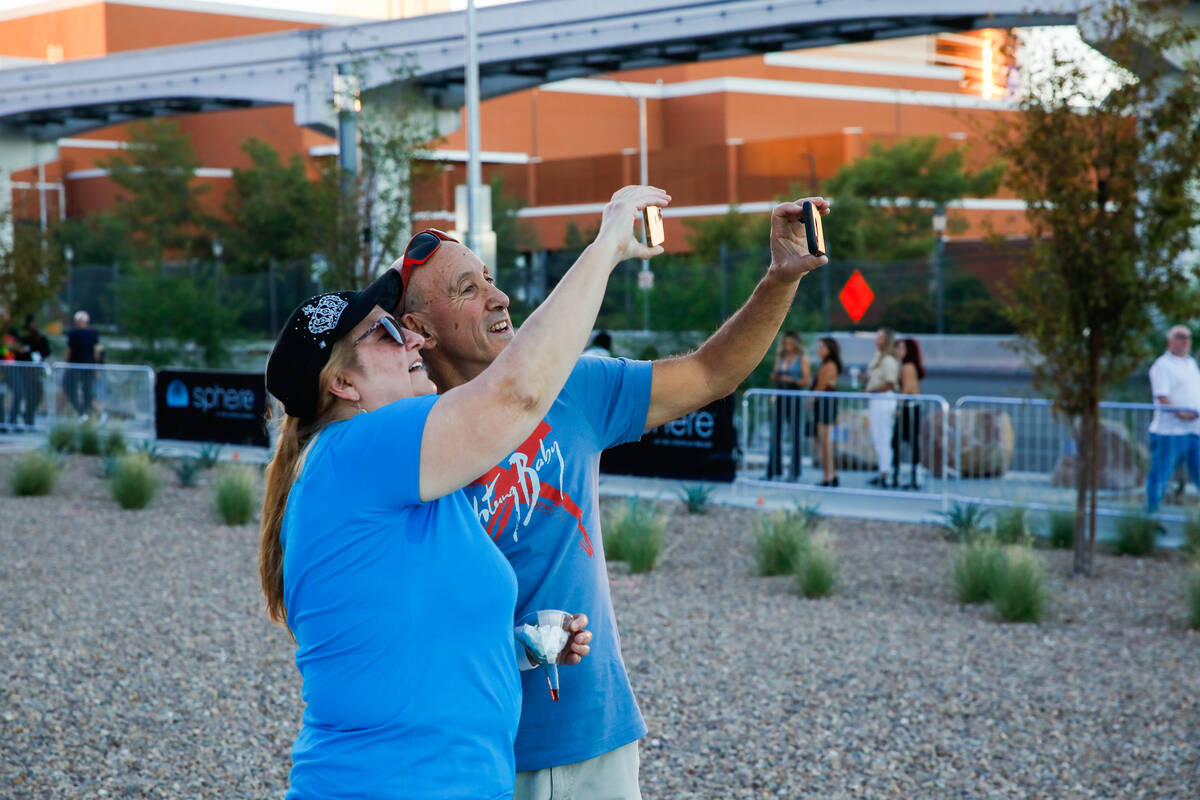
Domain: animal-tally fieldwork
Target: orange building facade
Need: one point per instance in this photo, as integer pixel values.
(737, 132)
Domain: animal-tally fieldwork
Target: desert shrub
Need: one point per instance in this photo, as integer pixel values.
(977, 569)
(149, 449)
(1135, 534)
(134, 481)
(35, 473)
(963, 522)
(634, 533)
(114, 441)
(1019, 593)
(108, 467)
(1191, 535)
(186, 470)
(816, 571)
(210, 456)
(1011, 525)
(64, 436)
(1062, 529)
(88, 439)
(780, 541)
(696, 496)
(236, 491)
(1194, 595)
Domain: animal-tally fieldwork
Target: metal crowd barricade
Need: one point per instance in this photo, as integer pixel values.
(26, 392)
(783, 435)
(115, 394)
(1018, 451)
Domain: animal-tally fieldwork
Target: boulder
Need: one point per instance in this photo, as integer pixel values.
(985, 449)
(852, 445)
(1123, 461)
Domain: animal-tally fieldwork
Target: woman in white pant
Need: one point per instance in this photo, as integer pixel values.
(883, 376)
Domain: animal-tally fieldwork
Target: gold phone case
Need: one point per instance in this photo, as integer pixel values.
(813, 229)
(652, 219)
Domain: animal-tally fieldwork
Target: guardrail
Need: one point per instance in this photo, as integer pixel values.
(999, 451)
(788, 437)
(1014, 451)
(35, 395)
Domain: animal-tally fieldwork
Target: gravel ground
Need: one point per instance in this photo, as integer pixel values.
(137, 662)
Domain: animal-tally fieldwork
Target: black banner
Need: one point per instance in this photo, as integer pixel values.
(204, 406)
(699, 446)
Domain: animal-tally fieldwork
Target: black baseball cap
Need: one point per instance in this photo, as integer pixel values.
(303, 347)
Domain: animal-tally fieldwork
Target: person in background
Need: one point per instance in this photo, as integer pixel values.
(792, 371)
(9, 346)
(27, 381)
(601, 345)
(83, 347)
(825, 408)
(907, 429)
(883, 377)
(1174, 435)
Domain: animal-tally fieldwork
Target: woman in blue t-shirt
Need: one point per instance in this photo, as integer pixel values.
(401, 606)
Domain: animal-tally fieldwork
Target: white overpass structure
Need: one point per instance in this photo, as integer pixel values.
(519, 45)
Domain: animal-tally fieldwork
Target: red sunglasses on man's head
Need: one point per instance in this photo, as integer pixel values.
(420, 249)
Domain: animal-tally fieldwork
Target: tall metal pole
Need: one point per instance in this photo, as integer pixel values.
(939, 228)
(474, 173)
(645, 179)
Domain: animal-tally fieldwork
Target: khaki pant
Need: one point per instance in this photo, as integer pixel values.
(611, 776)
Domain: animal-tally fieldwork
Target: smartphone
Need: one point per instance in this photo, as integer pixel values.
(812, 228)
(652, 219)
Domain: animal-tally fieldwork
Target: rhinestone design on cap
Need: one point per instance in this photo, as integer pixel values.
(325, 314)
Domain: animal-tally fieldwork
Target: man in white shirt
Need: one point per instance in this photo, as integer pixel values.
(1174, 434)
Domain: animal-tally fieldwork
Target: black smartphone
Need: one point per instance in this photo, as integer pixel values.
(812, 228)
(652, 219)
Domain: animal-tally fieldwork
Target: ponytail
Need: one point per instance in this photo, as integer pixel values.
(291, 445)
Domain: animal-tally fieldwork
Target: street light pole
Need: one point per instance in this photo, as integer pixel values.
(474, 172)
(939, 228)
(645, 179)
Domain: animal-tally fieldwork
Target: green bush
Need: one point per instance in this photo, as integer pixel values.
(210, 456)
(1194, 596)
(134, 481)
(149, 449)
(780, 542)
(963, 523)
(696, 496)
(977, 569)
(109, 468)
(634, 534)
(1011, 526)
(1135, 534)
(236, 490)
(35, 473)
(114, 442)
(88, 439)
(64, 437)
(186, 470)
(816, 572)
(1019, 594)
(1191, 535)
(1062, 529)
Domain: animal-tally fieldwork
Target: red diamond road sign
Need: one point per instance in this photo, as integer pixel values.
(856, 296)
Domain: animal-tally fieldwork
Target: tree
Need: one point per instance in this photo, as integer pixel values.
(31, 272)
(275, 212)
(1105, 172)
(158, 198)
(884, 202)
(372, 211)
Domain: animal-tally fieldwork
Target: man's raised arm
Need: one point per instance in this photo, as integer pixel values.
(683, 384)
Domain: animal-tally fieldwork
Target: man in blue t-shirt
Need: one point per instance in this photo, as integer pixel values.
(541, 504)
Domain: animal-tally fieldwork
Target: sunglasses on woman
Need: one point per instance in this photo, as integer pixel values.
(389, 325)
(420, 249)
